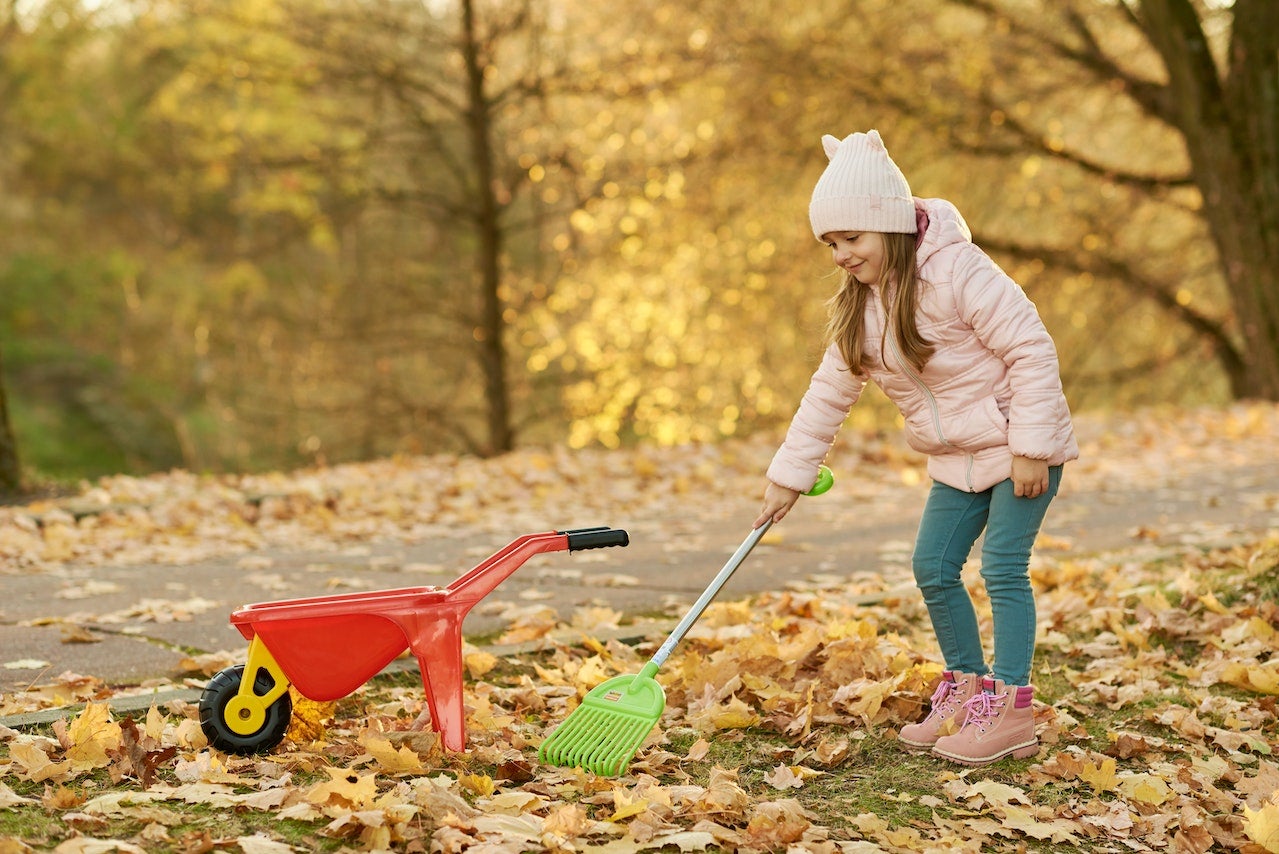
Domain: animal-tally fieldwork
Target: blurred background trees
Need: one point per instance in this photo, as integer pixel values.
(241, 234)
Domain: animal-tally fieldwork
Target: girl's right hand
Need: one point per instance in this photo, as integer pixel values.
(778, 500)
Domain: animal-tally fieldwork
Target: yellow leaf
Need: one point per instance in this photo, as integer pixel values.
(1146, 788)
(734, 715)
(155, 724)
(309, 718)
(996, 793)
(1102, 778)
(478, 664)
(92, 734)
(591, 673)
(1262, 826)
(344, 788)
(480, 784)
(36, 765)
(1210, 602)
(1252, 677)
(625, 806)
(1057, 830)
(402, 761)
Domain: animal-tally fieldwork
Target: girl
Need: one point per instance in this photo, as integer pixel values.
(961, 350)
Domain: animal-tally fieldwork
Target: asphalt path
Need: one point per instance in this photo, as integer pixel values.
(127, 625)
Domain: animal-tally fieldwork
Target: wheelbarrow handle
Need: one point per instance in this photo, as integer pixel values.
(595, 538)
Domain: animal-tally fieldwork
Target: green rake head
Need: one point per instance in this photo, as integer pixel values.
(603, 733)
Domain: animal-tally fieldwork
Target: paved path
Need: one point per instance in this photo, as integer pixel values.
(144, 619)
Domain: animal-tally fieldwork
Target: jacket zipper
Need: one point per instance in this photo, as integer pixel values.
(932, 405)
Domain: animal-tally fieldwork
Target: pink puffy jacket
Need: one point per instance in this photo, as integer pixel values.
(992, 388)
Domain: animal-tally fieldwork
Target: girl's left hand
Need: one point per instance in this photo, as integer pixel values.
(1030, 477)
(778, 500)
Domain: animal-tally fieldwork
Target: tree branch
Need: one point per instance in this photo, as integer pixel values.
(1153, 98)
(1207, 328)
(1037, 143)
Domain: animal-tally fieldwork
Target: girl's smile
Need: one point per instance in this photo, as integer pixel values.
(861, 253)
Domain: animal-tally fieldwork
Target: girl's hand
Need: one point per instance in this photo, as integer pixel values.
(1030, 477)
(778, 500)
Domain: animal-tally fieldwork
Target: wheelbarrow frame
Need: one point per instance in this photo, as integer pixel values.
(326, 647)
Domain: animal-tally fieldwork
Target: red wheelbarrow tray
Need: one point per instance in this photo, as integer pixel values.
(328, 646)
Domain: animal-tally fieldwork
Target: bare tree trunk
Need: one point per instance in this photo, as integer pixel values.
(492, 342)
(1230, 121)
(10, 468)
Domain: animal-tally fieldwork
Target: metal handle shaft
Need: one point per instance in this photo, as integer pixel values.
(708, 594)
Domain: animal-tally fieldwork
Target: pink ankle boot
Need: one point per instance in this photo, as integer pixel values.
(998, 722)
(952, 692)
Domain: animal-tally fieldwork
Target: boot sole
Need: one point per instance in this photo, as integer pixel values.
(1019, 751)
(918, 746)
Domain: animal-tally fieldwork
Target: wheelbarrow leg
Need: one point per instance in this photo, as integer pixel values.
(436, 641)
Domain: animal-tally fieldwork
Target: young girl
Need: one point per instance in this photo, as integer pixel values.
(961, 350)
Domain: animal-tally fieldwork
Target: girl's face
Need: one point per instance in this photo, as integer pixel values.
(861, 253)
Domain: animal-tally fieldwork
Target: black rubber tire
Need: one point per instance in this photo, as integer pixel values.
(221, 688)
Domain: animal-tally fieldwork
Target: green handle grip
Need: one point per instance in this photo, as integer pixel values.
(825, 480)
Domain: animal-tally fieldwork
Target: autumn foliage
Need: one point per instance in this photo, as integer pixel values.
(1158, 724)
(1156, 686)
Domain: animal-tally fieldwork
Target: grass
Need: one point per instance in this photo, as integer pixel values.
(912, 793)
(878, 778)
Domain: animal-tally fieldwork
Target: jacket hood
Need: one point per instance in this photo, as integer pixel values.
(946, 227)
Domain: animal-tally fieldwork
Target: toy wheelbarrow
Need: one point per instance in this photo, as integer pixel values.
(328, 646)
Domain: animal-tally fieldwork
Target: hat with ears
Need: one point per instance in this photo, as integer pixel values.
(861, 190)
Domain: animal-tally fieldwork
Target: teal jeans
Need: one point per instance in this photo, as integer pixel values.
(952, 521)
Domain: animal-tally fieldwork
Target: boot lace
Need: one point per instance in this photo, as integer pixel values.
(982, 708)
(943, 699)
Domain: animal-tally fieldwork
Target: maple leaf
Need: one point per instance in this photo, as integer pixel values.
(1023, 821)
(343, 788)
(1262, 785)
(1262, 825)
(139, 754)
(480, 664)
(310, 718)
(994, 793)
(401, 761)
(90, 738)
(627, 805)
(1101, 777)
(777, 824)
(481, 784)
(1146, 788)
(35, 765)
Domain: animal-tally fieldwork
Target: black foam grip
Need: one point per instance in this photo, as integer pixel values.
(596, 538)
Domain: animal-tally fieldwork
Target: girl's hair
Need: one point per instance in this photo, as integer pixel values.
(848, 308)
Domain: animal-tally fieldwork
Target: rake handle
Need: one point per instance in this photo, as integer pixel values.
(704, 600)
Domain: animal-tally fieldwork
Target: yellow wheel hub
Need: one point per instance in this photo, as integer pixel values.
(245, 713)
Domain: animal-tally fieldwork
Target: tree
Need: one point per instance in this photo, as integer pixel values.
(1216, 86)
(10, 468)
(492, 132)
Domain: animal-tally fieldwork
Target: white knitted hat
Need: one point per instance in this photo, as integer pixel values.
(861, 190)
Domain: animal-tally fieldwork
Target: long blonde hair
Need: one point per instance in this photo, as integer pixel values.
(848, 308)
